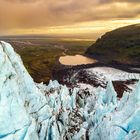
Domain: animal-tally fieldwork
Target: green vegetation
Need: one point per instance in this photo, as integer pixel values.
(121, 45)
(41, 55)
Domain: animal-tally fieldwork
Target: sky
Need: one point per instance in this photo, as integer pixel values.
(72, 18)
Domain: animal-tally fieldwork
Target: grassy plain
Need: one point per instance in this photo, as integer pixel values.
(40, 55)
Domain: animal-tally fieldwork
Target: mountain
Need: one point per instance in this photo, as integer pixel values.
(32, 111)
(121, 45)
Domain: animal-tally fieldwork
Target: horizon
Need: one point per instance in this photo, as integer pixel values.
(63, 36)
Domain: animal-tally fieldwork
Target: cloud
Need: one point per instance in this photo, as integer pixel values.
(131, 1)
(26, 14)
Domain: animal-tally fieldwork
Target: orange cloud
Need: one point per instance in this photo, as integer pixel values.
(37, 14)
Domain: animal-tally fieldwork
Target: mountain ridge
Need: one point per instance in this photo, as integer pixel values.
(121, 45)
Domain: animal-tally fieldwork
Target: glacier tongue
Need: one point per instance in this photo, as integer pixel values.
(26, 111)
(30, 111)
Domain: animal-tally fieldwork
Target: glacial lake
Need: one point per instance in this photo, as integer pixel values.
(76, 60)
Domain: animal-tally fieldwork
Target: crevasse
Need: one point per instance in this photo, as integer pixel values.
(30, 111)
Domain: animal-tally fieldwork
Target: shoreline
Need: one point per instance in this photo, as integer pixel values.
(124, 67)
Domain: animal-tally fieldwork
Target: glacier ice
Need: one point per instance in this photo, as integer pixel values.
(31, 111)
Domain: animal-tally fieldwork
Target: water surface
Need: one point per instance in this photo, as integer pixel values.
(76, 60)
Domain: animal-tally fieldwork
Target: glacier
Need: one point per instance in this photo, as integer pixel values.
(32, 111)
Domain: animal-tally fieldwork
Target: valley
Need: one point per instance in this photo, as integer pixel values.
(61, 59)
(99, 102)
(41, 54)
(69, 69)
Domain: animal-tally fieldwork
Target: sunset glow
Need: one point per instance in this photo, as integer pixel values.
(85, 29)
(80, 18)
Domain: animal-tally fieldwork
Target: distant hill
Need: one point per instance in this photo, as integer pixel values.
(121, 45)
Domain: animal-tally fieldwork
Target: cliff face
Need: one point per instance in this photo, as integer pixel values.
(30, 111)
(121, 45)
